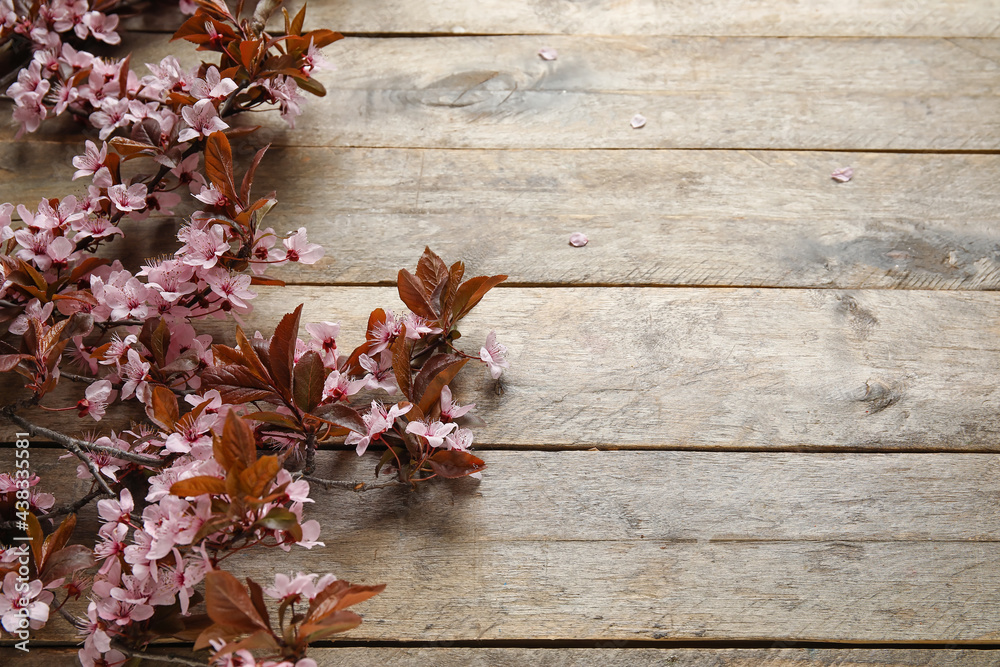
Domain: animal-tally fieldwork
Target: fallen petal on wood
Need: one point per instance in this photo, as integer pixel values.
(548, 54)
(578, 240)
(843, 174)
(638, 121)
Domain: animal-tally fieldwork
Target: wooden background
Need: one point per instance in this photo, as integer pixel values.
(804, 374)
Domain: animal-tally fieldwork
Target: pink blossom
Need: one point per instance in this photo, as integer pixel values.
(380, 374)
(337, 387)
(14, 598)
(213, 86)
(202, 248)
(301, 586)
(30, 110)
(127, 300)
(95, 226)
(112, 115)
(128, 198)
(29, 79)
(493, 355)
(377, 421)
(187, 173)
(384, 333)
(102, 26)
(461, 440)
(417, 327)
(434, 433)
(202, 120)
(578, 239)
(283, 91)
(134, 373)
(96, 400)
(35, 247)
(298, 249)
(232, 287)
(324, 336)
(117, 511)
(451, 411)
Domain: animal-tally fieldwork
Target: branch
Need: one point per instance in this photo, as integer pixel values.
(161, 657)
(353, 486)
(72, 444)
(310, 466)
(69, 508)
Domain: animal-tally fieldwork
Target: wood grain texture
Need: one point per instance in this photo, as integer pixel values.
(722, 368)
(495, 92)
(377, 656)
(606, 546)
(783, 18)
(713, 218)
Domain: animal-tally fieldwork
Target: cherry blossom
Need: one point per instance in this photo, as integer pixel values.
(433, 433)
(97, 397)
(451, 411)
(493, 355)
(298, 249)
(377, 421)
(202, 120)
(19, 608)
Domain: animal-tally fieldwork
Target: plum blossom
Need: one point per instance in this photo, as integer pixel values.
(451, 411)
(128, 197)
(300, 586)
(298, 249)
(434, 433)
(202, 120)
(102, 26)
(134, 373)
(232, 287)
(324, 341)
(461, 440)
(116, 511)
(493, 355)
(380, 374)
(91, 160)
(96, 399)
(377, 421)
(34, 600)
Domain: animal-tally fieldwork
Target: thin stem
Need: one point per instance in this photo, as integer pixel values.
(358, 487)
(71, 444)
(157, 657)
(74, 445)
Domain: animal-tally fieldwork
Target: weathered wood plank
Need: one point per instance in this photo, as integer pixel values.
(720, 368)
(378, 656)
(607, 546)
(664, 496)
(495, 92)
(719, 218)
(784, 18)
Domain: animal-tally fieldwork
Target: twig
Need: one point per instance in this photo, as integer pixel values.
(69, 508)
(73, 444)
(155, 657)
(77, 378)
(353, 486)
(310, 466)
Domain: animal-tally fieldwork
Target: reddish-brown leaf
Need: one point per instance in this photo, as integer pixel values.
(236, 450)
(438, 371)
(197, 486)
(165, 409)
(431, 270)
(58, 539)
(259, 476)
(219, 165)
(342, 415)
(340, 621)
(282, 351)
(452, 463)
(228, 603)
(237, 384)
(309, 378)
(401, 351)
(10, 361)
(247, 184)
(471, 292)
(412, 293)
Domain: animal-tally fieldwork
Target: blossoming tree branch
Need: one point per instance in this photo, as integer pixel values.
(226, 454)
